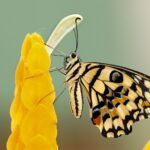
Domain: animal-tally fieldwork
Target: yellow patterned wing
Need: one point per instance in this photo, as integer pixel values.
(118, 97)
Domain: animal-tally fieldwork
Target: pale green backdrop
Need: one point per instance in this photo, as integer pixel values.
(116, 32)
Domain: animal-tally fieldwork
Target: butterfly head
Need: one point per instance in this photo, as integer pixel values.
(70, 60)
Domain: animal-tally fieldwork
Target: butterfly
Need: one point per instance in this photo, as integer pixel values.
(117, 96)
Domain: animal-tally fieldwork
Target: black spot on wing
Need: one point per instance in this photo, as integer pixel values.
(126, 93)
(117, 95)
(116, 77)
(96, 112)
(109, 105)
(106, 116)
(133, 86)
(102, 104)
(119, 89)
(117, 104)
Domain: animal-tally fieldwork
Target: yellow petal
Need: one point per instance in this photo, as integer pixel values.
(19, 117)
(15, 103)
(32, 112)
(35, 89)
(20, 73)
(14, 142)
(41, 121)
(48, 99)
(27, 43)
(37, 38)
(38, 58)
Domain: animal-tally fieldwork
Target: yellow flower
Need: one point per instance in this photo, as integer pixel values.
(32, 112)
(147, 146)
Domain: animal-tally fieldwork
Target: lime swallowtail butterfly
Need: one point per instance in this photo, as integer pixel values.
(117, 96)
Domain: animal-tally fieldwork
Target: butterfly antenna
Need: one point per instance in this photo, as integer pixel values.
(76, 34)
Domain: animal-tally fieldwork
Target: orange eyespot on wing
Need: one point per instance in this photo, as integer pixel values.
(96, 120)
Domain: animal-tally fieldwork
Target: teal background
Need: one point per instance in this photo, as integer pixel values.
(116, 32)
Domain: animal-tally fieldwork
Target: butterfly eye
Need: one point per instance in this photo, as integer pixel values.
(73, 55)
(116, 77)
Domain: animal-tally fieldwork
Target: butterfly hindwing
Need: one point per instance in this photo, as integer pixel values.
(118, 97)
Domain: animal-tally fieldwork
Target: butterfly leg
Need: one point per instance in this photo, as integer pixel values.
(60, 94)
(57, 69)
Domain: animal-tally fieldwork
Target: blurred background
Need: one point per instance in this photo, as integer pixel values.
(116, 32)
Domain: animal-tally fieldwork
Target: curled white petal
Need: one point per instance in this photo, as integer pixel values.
(66, 25)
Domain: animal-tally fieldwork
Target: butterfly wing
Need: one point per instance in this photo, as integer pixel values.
(118, 97)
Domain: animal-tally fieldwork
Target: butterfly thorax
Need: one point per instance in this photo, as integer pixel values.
(72, 68)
